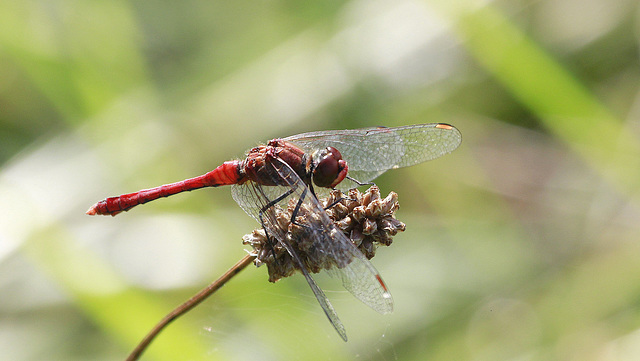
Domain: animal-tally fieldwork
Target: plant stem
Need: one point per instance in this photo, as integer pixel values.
(189, 304)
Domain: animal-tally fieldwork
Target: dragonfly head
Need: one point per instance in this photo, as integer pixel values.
(330, 169)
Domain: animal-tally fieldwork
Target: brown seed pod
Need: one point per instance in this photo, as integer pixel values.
(366, 219)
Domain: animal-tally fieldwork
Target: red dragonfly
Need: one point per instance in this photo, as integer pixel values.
(288, 170)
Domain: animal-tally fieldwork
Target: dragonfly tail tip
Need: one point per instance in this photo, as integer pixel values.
(92, 211)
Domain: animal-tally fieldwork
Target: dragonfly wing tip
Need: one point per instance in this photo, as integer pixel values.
(444, 126)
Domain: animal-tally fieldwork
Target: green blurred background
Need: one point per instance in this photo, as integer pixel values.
(521, 245)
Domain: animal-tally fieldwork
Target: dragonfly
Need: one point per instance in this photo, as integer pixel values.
(295, 170)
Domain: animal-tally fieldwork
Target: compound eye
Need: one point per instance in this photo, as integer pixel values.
(326, 171)
(336, 153)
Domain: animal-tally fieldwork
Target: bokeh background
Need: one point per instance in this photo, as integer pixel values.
(524, 244)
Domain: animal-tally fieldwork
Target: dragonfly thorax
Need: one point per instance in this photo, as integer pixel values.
(260, 164)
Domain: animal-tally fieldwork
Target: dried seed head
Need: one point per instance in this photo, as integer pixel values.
(365, 218)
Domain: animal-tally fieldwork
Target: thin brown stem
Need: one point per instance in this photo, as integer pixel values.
(189, 304)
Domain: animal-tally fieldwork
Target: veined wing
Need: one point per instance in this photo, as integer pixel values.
(259, 202)
(318, 244)
(370, 152)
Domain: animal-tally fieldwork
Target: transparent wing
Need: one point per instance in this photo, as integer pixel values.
(370, 152)
(319, 246)
(258, 201)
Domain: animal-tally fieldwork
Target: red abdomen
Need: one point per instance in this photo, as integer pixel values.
(226, 174)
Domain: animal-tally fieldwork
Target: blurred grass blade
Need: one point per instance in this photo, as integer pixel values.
(127, 314)
(568, 109)
(80, 56)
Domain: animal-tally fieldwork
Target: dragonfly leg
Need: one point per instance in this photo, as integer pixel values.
(270, 241)
(336, 202)
(312, 190)
(296, 210)
(360, 183)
